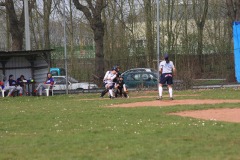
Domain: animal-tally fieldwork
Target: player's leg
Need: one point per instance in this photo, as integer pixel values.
(20, 89)
(117, 92)
(38, 87)
(120, 91)
(111, 91)
(170, 89)
(160, 90)
(104, 91)
(125, 91)
(160, 86)
(11, 90)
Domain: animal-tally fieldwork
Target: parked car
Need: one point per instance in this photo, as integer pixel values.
(73, 84)
(140, 79)
(57, 71)
(141, 70)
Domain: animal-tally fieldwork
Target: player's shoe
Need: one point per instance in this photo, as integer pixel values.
(171, 98)
(159, 98)
(111, 97)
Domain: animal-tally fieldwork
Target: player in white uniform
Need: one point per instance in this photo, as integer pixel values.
(108, 80)
(167, 70)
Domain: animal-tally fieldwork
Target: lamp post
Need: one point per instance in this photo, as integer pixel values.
(65, 45)
(158, 39)
(27, 32)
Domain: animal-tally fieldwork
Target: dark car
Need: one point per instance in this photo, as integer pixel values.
(140, 79)
(141, 70)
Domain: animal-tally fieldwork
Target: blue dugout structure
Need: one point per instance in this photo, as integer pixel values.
(236, 42)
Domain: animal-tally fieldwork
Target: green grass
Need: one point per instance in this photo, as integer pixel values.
(80, 127)
(209, 82)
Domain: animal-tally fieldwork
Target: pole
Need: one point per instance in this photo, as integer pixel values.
(27, 31)
(65, 45)
(158, 40)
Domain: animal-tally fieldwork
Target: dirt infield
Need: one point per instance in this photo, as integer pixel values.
(226, 114)
(229, 115)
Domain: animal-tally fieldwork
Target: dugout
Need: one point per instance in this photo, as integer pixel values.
(32, 64)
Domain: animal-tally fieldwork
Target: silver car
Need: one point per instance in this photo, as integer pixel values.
(73, 84)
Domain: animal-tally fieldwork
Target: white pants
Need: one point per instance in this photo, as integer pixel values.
(41, 87)
(13, 88)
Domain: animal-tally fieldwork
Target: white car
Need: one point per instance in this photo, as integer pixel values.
(73, 84)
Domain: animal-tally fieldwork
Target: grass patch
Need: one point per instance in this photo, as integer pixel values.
(79, 127)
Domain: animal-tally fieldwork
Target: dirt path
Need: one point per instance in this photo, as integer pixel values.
(166, 103)
(228, 115)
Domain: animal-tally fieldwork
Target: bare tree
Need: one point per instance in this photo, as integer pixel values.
(46, 15)
(149, 32)
(200, 10)
(233, 7)
(93, 12)
(16, 26)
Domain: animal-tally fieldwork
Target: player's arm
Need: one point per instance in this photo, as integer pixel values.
(174, 71)
(113, 77)
(106, 75)
(160, 70)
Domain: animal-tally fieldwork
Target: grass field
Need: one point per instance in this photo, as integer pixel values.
(66, 127)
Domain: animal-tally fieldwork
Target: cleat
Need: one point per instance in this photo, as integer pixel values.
(159, 98)
(171, 98)
(111, 97)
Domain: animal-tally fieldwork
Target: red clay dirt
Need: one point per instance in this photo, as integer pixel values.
(229, 115)
(226, 114)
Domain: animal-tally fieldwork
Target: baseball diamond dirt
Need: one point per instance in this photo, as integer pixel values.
(226, 114)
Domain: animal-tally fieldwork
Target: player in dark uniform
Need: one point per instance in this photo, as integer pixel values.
(121, 89)
(20, 82)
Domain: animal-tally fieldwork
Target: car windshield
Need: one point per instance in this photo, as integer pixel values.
(72, 80)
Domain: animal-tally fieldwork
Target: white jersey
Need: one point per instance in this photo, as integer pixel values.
(108, 78)
(166, 67)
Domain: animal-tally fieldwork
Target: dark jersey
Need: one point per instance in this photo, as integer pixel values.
(117, 77)
(120, 83)
(20, 81)
(12, 82)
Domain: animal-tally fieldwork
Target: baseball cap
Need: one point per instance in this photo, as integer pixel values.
(165, 56)
(114, 68)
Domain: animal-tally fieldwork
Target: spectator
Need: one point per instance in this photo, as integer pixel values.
(20, 82)
(2, 84)
(12, 85)
(48, 83)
